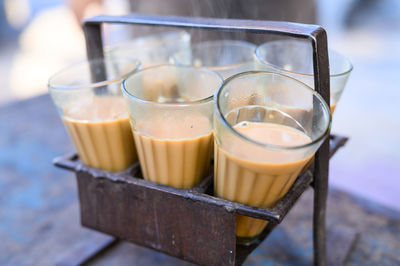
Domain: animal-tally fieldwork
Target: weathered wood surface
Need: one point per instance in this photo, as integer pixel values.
(39, 223)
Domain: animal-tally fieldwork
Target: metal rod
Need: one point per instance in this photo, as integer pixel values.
(254, 26)
(321, 165)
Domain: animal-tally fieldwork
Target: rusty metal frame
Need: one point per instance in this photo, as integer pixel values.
(108, 203)
(318, 38)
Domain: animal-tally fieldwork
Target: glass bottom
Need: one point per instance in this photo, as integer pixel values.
(248, 241)
(248, 229)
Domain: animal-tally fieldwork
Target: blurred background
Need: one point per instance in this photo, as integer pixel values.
(39, 37)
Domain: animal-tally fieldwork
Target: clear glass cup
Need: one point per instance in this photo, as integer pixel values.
(89, 100)
(227, 57)
(171, 109)
(294, 58)
(151, 50)
(267, 127)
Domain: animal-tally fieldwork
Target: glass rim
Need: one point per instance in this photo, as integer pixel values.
(117, 78)
(154, 39)
(263, 61)
(264, 145)
(198, 46)
(180, 104)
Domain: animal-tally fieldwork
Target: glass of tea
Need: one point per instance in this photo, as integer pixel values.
(267, 127)
(89, 100)
(227, 57)
(171, 110)
(294, 58)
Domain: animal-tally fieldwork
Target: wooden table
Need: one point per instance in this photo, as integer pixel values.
(39, 221)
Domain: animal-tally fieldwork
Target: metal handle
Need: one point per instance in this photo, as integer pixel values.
(317, 36)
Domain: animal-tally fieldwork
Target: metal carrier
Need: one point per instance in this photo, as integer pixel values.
(192, 224)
